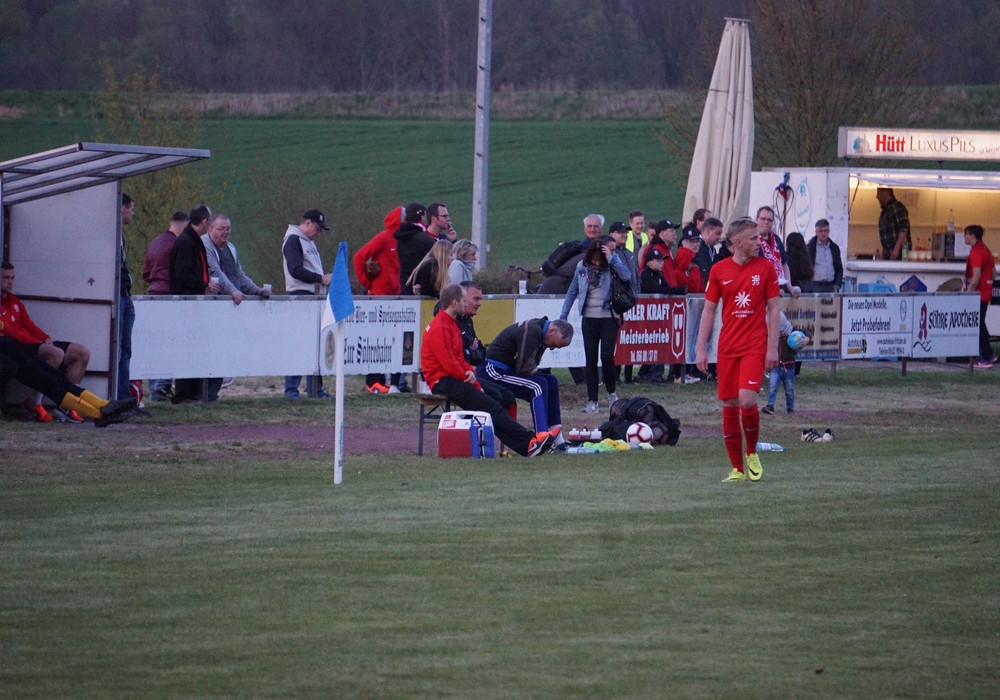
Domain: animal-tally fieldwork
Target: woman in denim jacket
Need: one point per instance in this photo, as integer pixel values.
(591, 285)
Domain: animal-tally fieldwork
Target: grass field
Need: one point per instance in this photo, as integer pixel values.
(544, 177)
(135, 565)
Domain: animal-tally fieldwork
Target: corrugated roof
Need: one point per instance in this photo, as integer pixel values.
(84, 165)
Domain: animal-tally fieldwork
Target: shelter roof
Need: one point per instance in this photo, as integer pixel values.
(83, 165)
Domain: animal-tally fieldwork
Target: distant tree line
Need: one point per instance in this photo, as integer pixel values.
(430, 45)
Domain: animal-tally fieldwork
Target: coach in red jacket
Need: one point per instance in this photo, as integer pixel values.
(448, 374)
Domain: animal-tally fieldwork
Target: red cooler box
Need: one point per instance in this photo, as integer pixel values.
(465, 434)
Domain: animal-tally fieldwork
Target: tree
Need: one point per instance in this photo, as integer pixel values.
(128, 116)
(822, 64)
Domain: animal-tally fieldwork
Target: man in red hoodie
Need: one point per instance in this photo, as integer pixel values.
(376, 263)
(448, 374)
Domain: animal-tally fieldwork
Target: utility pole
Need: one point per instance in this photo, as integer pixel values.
(481, 175)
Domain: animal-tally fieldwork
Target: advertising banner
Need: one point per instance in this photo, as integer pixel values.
(876, 327)
(917, 144)
(819, 318)
(945, 325)
(381, 335)
(653, 333)
(920, 326)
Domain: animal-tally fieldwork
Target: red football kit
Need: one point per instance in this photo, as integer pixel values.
(742, 291)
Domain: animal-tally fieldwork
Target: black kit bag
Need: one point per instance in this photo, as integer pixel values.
(622, 295)
(563, 252)
(625, 412)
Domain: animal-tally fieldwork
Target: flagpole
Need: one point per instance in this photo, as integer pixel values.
(342, 305)
(338, 434)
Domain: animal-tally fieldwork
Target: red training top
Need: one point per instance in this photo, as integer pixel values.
(981, 257)
(17, 324)
(441, 351)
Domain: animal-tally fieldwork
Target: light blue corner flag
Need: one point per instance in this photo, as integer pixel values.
(341, 301)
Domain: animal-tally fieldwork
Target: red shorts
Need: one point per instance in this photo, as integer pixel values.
(737, 373)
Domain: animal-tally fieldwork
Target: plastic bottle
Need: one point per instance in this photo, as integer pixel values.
(906, 250)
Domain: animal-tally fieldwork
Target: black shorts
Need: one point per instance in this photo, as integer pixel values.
(61, 344)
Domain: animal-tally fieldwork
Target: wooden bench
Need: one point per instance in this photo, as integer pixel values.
(431, 407)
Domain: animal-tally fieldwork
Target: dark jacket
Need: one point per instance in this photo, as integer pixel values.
(838, 265)
(704, 258)
(559, 281)
(412, 244)
(520, 346)
(188, 264)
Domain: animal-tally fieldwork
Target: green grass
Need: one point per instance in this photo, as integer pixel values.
(544, 177)
(866, 567)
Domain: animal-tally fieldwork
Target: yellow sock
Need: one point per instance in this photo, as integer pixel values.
(76, 403)
(93, 399)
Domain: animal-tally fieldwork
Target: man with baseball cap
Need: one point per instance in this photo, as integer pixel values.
(304, 275)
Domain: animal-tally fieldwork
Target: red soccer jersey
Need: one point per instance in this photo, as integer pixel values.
(743, 291)
(981, 257)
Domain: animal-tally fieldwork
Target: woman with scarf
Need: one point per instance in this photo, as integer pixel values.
(592, 286)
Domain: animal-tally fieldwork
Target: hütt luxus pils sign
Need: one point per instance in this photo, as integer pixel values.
(910, 144)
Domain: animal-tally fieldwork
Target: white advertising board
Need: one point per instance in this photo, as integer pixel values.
(909, 325)
(945, 325)
(526, 307)
(383, 333)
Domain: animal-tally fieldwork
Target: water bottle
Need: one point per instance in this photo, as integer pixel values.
(770, 447)
(906, 250)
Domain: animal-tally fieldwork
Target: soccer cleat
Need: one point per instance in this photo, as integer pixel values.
(811, 435)
(790, 411)
(591, 407)
(735, 475)
(116, 412)
(63, 416)
(690, 379)
(542, 442)
(754, 470)
(769, 410)
(378, 388)
(38, 412)
(323, 395)
(982, 364)
(612, 397)
(828, 436)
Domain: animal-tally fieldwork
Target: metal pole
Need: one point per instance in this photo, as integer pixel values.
(481, 175)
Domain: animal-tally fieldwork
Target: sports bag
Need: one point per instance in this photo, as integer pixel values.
(625, 412)
(563, 252)
(622, 295)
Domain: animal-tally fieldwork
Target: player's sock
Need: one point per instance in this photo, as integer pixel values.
(751, 427)
(93, 399)
(732, 436)
(78, 404)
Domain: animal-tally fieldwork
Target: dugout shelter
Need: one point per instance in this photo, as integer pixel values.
(61, 228)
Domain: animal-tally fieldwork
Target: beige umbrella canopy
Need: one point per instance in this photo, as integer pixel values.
(720, 168)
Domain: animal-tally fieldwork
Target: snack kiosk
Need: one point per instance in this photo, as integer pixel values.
(941, 203)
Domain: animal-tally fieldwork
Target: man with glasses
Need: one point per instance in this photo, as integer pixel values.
(746, 285)
(224, 263)
(439, 222)
(773, 250)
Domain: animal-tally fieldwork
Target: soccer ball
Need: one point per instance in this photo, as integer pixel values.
(797, 340)
(638, 434)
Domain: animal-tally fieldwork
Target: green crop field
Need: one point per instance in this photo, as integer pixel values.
(544, 177)
(139, 562)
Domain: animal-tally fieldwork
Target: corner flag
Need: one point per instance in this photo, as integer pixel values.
(341, 301)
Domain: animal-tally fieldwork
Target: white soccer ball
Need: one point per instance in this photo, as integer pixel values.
(639, 434)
